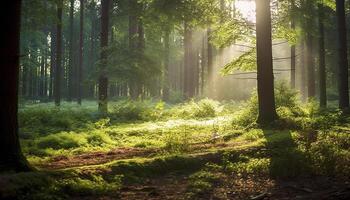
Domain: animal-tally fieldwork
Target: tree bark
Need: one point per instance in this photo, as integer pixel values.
(58, 71)
(267, 108)
(166, 88)
(343, 87)
(103, 79)
(11, 157)
(189, 71)
(71, 65)
(210, 65)
(293, 56)
(81, 44)
(322, 67)
(311, 92)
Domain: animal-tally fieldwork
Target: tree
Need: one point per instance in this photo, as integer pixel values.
(322, 61)
(81, 43)
(266, 96)
(11, 157)
(293, 49)
(189, 82)
(58, 71)
(166, 88)
(71, 53)
(343, 87)
(103, 79)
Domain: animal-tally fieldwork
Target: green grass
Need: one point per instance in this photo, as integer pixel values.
(206, 140)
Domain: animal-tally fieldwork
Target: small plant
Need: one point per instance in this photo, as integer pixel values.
(202, 183)
(177, 142)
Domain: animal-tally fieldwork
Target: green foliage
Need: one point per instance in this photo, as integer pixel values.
(204, 108)
(137, 110)
(245, 62)
(44, 119)
(57, 186)
(178, 142)
(201, 183)
(287, 105)
(251, 166)
(63, 140)
(94, 185)
(330, 154)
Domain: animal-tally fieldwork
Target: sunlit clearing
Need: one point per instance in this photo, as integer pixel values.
(247, 9)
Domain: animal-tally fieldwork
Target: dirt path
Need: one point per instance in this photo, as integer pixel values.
(175, 187)
(96, 158)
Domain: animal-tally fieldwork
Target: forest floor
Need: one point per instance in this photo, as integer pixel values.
(203, 152)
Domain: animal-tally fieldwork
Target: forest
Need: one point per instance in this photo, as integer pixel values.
(175, 99)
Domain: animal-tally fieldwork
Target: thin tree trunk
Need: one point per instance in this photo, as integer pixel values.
(103, 79)
(303, 72)
(11, 157)
(322, 67)
(343, 60)
(210, 73)
(266, 96)
(71, 65)
(311, 93)
(53, 49)
(293, 58)
(189, 64)
(166, 89)
(81, 43)
(58, 71)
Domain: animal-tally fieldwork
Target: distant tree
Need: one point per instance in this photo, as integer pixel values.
(266, 96)
(166, 88)
(189, 84)
(71, 52)
(11, 157)
(103, 79)
(58, 70)
(293, 48)
(81, 44)
(322, 61)
(343, 60)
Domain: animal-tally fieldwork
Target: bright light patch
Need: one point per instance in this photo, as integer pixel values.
(247, 9)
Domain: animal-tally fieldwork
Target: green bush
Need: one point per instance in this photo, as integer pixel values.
(177, 142)
(43, 120)
(288, 107)
(330, 154)
(63, 140)
(137, 110)
(204, 108)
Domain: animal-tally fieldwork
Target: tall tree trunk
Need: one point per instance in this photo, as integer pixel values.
(92, 51)
(103, 79)
(11, 157)
(133, 31)
(42, 74)
(58, 71)
(203, 65)
(343, 60)
(210, 65)
(141, 50)
(303, 71)
(189, 64)
(71, 45)
(311, 88)
(166, 88)
(322, 67)
(293, 56)
(266, 96)
(53, 49)
(81, 43)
